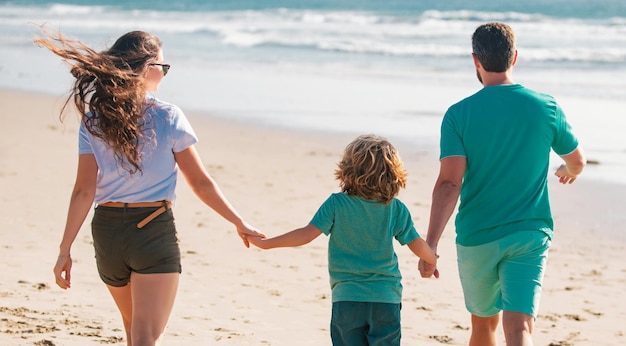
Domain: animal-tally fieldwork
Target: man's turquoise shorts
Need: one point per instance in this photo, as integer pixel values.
(505, 274)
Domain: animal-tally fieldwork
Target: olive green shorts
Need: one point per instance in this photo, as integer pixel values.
(122, 248)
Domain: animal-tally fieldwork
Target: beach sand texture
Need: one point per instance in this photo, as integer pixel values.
(230, 295)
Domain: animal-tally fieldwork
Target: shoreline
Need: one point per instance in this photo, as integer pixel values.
(230, 295)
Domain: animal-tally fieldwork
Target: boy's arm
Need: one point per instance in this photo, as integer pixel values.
(296, 237)
(421, 249)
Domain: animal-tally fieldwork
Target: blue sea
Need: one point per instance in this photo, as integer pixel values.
(390, 67)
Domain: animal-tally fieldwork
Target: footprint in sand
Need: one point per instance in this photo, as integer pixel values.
(443, 339)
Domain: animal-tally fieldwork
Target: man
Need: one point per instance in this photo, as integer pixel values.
(495, 150)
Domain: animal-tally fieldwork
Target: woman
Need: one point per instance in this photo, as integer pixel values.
(130, 148)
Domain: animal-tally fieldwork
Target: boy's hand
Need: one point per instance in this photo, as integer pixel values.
(246, 231)
(427, 270)
(259, 242)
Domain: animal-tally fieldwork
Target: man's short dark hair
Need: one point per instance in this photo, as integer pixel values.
(494, 46)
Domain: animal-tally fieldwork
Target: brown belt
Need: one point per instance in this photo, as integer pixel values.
(164, 205)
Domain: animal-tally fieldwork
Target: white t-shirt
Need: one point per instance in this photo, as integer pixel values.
(157, 181)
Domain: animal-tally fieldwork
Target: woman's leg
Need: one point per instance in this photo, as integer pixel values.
(124, 302)
(145, 304)
(153, 298)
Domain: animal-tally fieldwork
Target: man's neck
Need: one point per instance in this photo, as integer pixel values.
(496, 78)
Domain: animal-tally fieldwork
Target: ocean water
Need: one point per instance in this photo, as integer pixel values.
(389, 67)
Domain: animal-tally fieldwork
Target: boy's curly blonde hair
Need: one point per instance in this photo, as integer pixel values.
(371, 168)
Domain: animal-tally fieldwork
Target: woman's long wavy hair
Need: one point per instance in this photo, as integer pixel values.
(371, 168)
(110, 86)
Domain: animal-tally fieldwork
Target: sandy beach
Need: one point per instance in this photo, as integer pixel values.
(230, 295)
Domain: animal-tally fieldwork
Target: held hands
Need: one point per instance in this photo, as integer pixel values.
(259, 242)
(246, 232)
(427, 270)
(565, 177)
(62, 271)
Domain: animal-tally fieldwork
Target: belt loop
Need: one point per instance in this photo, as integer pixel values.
(124, 212)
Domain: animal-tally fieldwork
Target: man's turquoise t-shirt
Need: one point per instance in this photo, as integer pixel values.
(506, 133)
(362, 263)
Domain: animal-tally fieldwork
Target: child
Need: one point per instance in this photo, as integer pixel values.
(362, 221)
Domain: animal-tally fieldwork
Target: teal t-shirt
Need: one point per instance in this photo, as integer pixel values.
(506, 133)
(362, 263)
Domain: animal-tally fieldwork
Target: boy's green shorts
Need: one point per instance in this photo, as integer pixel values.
(505, 274)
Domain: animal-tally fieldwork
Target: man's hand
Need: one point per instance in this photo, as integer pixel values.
(427, 270)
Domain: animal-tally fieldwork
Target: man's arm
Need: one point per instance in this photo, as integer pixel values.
(445, 196)
(573, 166)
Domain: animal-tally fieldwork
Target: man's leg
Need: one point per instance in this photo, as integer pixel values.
(518, 328)
(522, 276)
(478, 270)
(484, 330)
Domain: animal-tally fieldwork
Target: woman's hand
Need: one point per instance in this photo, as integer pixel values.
(245, 231)
(62, 271)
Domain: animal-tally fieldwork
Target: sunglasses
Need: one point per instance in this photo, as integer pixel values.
(164, 67)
